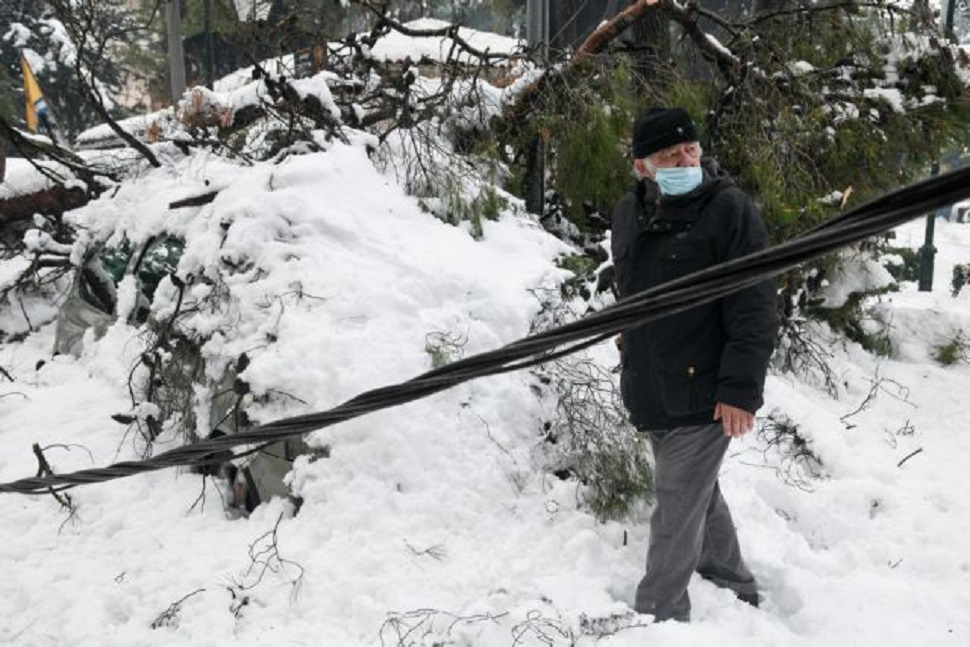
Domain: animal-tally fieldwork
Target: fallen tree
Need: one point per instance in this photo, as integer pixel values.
(52, 201)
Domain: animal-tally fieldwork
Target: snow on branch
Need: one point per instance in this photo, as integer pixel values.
(449, 31)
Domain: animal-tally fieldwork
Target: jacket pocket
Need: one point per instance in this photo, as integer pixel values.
(689, 389)
(680, 258)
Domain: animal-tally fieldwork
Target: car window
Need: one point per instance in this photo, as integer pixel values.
(115, 260)
(159, 258)
(97, 287)
(151, 262)
(100, 275)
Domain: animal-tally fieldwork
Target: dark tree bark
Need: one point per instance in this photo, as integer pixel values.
(651, 39)
(535, 173)
(769, 6)
(924, 14)
(49, 202)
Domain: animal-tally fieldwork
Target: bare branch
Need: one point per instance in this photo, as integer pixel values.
(91, 40)
(194, 201)
(603, 35)
(813, 9)
(32, 148)
(44, 469)
(900, 463)
(451, 31)
(169, 617)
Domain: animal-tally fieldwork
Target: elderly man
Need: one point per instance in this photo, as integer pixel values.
(693, 380)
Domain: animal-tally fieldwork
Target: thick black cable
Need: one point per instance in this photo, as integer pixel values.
(675, 296)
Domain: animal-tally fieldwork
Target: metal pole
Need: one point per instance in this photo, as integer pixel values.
(532, 8)
(948, 16)
(176, 56)
(927, 253)
(537, 33)
(545, 28)
(537, 25)
(210, 74)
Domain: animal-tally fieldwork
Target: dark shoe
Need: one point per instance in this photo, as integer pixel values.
(750, 598)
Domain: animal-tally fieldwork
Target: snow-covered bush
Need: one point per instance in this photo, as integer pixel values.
(586, 434)
(957, 349)
(845, 301)
(960, 277)
(590, 439)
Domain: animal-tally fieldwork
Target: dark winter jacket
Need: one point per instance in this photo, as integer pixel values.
(677, 368)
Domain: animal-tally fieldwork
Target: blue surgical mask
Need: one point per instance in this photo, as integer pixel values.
(679, 180)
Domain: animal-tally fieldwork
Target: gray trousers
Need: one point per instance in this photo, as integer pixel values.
(691, 528)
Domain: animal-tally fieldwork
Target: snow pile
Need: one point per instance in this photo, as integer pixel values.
(200, 106)
(23, 179)
(919, 323)
(429, 524)
(102, 135)
(857, 273)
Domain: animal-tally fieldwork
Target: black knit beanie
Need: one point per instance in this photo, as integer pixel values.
(660, 128)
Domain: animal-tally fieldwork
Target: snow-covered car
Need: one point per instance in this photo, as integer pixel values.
(91, 304)
(92, 299)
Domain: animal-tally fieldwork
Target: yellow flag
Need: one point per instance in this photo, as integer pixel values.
(36, 105)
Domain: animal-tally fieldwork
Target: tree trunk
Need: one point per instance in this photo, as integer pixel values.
(535, 176)
(651, 38)
(50, 202)
(769, 6)
(559, 30)
(924, 14)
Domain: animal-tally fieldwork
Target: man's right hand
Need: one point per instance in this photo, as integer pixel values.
(736, 422)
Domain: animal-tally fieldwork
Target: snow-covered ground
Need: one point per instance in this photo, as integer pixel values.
(429, 524)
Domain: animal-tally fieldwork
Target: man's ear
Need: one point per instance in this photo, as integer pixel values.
(642, 169)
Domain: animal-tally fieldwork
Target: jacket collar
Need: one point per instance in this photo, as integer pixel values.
(653, 206)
